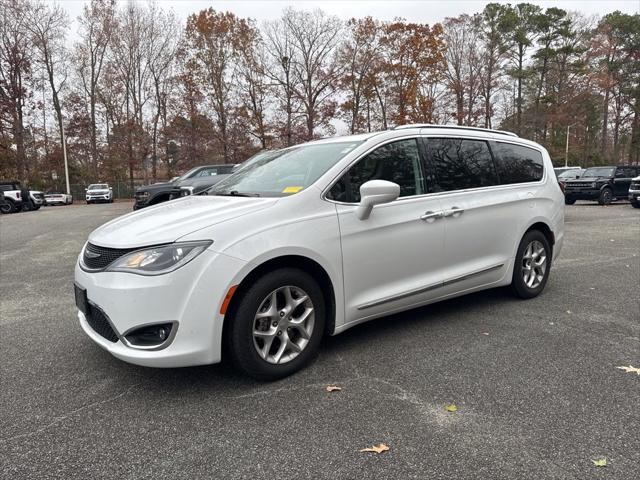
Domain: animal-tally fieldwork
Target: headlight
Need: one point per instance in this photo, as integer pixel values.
(142, 195)
(594, 185)
(159, 260)
(186, 191)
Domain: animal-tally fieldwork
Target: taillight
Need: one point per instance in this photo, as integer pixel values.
(17, 194)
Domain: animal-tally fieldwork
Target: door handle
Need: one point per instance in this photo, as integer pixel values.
(431, 216)
(455, 212)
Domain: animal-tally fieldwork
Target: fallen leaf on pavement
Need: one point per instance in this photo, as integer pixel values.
(485, 333)
(551, 323)
(568, 311)
(601, 462)
(451, 408)
(630, 369)
(376, 448)
(333, 388)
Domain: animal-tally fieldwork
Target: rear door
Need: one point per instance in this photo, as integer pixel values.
(484, 213)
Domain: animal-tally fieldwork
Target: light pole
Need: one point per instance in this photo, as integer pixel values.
(566, 148)
(66, 165)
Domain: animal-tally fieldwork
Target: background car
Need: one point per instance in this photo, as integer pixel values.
(99, 192)
(17, 198)
(634, 192)
(198, 178)
(57, 198)
(603, 184)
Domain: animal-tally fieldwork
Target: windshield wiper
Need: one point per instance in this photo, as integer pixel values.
(236, 193)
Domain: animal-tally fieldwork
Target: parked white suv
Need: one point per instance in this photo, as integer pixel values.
(99, 192)
(316, 239)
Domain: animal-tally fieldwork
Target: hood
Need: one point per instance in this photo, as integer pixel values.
(169, 221)
(99, 190)
(155, 186)
(202, 181)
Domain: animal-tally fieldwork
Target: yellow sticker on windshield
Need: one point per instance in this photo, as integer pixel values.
(292, 189)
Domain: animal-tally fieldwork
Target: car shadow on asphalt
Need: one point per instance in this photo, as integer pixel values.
(223, 378)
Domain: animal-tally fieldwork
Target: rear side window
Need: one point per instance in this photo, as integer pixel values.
(397, 162)
(517, 164)
(460, 163)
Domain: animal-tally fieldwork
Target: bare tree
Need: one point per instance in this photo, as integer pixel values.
(96, 27)
(359, 54)
(280, 52)
(315, 36)
(48, 26)
(15, 71)
(164, 38)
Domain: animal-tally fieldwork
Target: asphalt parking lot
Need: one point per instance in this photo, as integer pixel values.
(535, 382)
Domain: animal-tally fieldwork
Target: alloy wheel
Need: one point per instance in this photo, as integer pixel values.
(283, 324)
(534, 264)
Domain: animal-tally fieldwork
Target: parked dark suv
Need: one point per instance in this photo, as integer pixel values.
(603, 184)
(197, 177)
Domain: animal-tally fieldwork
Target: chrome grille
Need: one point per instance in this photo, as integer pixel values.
(578, 184)
(96, 257)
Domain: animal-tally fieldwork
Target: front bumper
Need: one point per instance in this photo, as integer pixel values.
(582, 193)
(190, 296)
(98, 198)
(634, 195)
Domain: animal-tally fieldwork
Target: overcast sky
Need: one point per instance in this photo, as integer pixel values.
(425, 11)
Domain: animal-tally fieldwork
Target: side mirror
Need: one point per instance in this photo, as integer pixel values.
(375, 192)
(86, 189)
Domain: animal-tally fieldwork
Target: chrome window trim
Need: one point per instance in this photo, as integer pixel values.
(505, 186)
(330, 185)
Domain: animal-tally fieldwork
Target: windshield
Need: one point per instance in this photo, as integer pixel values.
(283, 172)
(599, 172)
(575, 173)
(98, 186)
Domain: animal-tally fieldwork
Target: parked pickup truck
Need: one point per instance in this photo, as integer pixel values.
(16, 198)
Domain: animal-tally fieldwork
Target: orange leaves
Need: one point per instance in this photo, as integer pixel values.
(377, 449)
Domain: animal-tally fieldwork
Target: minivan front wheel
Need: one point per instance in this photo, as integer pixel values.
(532, 265)
(277, 325)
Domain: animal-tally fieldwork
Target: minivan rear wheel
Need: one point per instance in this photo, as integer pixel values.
(277, 324)
(532, 265)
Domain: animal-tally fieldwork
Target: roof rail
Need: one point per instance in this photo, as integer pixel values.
(455, 127)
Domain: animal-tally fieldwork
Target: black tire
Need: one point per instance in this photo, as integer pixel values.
(88, 202)
(569, 201)
(239, 331)
(606, 196)
(37, 207)
(635, 204)
(518, 285)
(27, 206)
(8, 206)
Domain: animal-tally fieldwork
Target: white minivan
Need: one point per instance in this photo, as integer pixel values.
(313, 239)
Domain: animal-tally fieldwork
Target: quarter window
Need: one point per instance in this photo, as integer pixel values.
(517, 164)
(397, 162)
(460, 163)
